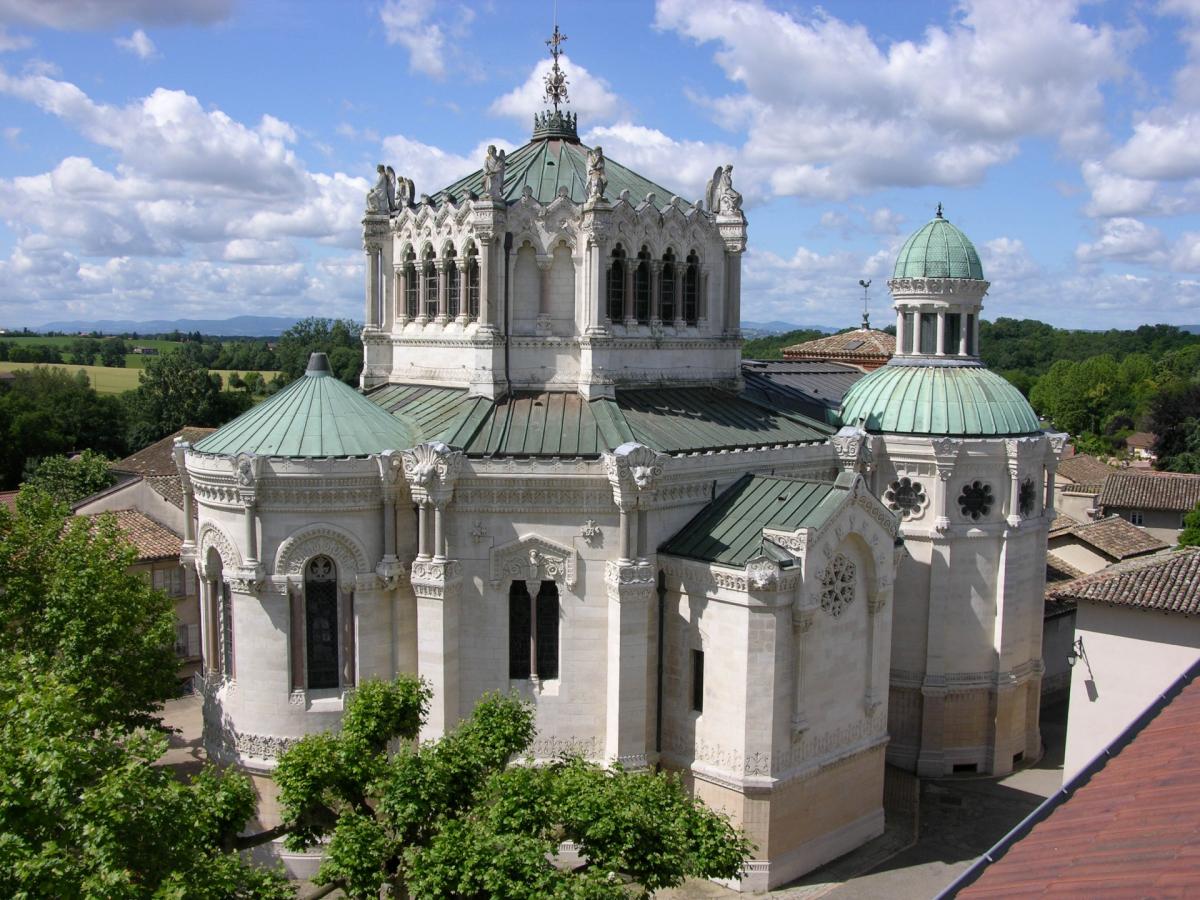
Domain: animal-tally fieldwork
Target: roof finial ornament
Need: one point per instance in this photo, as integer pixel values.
(556, 80)
(866, 286)
(939, 211)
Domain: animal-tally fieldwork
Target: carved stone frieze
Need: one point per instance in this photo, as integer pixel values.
(530, 499)
(633, 469)
(322, 539)
(960, 287)
(435, 571)
(212, 538)
(431, 469)
(532, 558)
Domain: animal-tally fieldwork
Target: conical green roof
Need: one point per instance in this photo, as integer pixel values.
(965, 401)
(314, 416)
(938, 250)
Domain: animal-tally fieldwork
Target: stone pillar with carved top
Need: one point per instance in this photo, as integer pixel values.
(431, 470)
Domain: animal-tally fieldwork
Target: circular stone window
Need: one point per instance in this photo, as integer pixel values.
(976, 499)
(837, 585)
(905, 496)
(1025, 497)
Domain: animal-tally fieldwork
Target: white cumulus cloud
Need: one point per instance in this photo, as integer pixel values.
(139, 44)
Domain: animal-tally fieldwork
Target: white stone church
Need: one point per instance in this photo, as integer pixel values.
(553, 483)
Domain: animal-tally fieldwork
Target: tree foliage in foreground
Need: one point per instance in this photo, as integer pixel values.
(70, 480)
(451, 818)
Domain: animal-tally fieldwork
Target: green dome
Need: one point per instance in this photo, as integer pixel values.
(938, 250)
(314, 416)
(966, 401)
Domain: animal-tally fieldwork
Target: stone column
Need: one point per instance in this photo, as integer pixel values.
(443, 294)
(626, 529)
(962, 335)
(438, 588)
(680, 273)
(655, 288)
(802, 622)
(486, 311)
(439, 532)
(1014, 495)
(630, 263)
(900, 333)
(702, 300)
(346, 618)
(734, 292)
(464, 290)
(975, 328)
(940, 349)
(249, 519)
(423, 529)
(630, 590)
(371, 318)
(875, 693)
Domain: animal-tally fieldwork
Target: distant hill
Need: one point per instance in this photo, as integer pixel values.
(238, 326)
(753, 328)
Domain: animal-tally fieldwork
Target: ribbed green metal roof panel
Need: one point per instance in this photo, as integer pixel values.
(435, 413)
(678, 420)
(967, 401)
(544, 166)
(314, 416)
(729, 530)
(938, 250)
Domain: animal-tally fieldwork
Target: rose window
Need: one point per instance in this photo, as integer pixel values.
(1025, 497)
(838, 585)
(976, 499)
(905, 496)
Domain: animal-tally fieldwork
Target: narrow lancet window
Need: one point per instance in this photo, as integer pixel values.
(321, 623)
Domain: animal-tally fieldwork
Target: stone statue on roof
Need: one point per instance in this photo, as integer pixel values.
(596, 182)
(493, 173)
(720, 196)
(382, 197)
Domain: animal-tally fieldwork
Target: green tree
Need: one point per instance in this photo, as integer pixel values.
(69, 480)
(46, 411)
(176, 390)
(1190, 536)
(452, 818)
(331, 336)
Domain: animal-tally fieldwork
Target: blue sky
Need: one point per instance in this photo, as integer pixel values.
(207, 158)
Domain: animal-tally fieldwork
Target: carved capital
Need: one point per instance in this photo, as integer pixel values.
(431, 470)
(633, 470)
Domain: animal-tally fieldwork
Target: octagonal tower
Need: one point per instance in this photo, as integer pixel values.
(959, 453)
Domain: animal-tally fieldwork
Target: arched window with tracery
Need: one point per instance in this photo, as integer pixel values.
(691, 290)
(533, 631)
(641, 288)
(616, 286)
(322, 657)
(666, 288)
(473, 284)
(411, 287)
(453, 295)
(431, 285)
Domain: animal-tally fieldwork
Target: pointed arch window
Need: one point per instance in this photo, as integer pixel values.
(412, 290)
(453, 294)
(691, 290)
(616, 286)
(321, 624)
(666, 288)
(641, 288)
(533, 631)
(473, 284)
(430, 281)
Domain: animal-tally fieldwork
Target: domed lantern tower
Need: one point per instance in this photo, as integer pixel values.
(958, 452)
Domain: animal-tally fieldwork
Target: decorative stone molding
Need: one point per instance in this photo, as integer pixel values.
(553, 747)
(391, 465)
(532, 558)
(852, 445)
(946, 451)
(431, 470)
(246, 579)
(630, 581)
(340, 545)
(632, 470)
(212, 538)
(839, 585)
(478, 532)
(592, 533)
(964, 288)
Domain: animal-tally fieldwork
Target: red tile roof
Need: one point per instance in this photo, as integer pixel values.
(863, 345)
(9, 499)
(1082, 468)
(157, 459)
(1126, 827)
(1142, 489)
(1116, 538)
(1141, 440)
(152, 539)
(1166, 582)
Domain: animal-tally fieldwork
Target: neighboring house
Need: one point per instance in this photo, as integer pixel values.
(1140, 445)
(148, 498)
(1096, 545)
(1156, 501)
(1058, 629)
(1137, 629)
(145, 351)
(9, 499)
(1125, 826)
(158, 559)
(865, 348)
(1078, 480)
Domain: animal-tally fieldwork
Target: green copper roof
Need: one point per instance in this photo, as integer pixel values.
(938, 250)
(942, 400)
(314, 416)
(564, 425)
(729, 530)
(546, 165)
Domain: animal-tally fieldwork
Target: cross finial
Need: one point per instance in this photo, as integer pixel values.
(939, 211)
(556, 81)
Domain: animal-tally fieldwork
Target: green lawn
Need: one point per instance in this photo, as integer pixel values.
(115, 381)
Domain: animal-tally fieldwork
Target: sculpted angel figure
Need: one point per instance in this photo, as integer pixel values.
(493, 173)
(596, 182)
(382, 197)
(720, 195)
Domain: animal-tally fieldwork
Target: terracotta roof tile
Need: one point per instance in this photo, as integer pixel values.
(1128, 829)
(157, 458)
(9, 499)
(1167, 581)
(152, 539)
(1117, 538)
(861, 344)
(169, 487)
(1083, 468)
(1141, 440)
(1133, 489)
(1063, 522)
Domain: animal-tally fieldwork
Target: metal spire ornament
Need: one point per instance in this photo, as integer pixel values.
(556, 80)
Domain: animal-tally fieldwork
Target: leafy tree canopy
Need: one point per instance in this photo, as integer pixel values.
(1190, 536)
(69, 480)
(176, 390)
(340, 338)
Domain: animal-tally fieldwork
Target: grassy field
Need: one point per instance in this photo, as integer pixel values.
(115, 381)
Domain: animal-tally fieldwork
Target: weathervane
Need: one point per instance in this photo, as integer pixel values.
(866, 286)
(556, 81)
